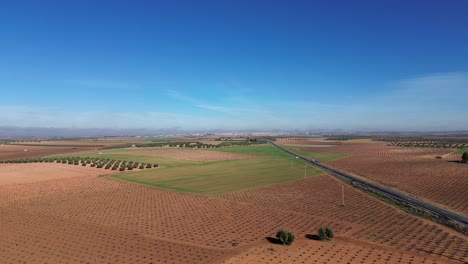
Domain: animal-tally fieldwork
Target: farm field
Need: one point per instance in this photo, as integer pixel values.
(230, 168)
(415, 171)
(369, 223)
(461, 151)
(316, 155)
(221, 211)
(20, 173)
(185, 154)
(99, 220)
(10, 152)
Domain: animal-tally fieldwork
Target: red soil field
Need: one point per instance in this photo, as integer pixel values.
(415, 171)
(310, 141)
(188, 154)
(340, 250)
(11, 152)
(98, 220)
(372, 222)
(17, 173)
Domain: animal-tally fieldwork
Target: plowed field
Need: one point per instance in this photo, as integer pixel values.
(186, 154)
(371, 221)
(415, 171)
(89, 219)
(17, 173)
(11, 152)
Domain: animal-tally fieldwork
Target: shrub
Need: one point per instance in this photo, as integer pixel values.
(329, 233)
(325, 234)
(465, 157)
(321, 234)
(122, 169)
(148, 166)
(114, 168)
(285, 237)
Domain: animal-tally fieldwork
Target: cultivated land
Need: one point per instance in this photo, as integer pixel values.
(461, 151)
(83, 218)
(415, 171)
(10, 152)
(185, 154)
(234, 168)
(20, 173)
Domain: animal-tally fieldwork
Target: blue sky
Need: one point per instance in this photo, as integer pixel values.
(366, 65)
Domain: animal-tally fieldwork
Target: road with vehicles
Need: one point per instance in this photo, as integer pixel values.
(384, 190)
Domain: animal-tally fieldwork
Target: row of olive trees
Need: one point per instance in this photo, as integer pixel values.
(120, 165)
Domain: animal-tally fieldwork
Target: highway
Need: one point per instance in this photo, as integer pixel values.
(385, 190)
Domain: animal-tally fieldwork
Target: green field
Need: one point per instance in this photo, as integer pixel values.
(461, 151)
(211, 178)
(163, 139)
(319, 156)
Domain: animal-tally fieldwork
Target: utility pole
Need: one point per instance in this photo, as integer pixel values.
(342, 195)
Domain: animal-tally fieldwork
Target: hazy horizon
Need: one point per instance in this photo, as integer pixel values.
(243, 65)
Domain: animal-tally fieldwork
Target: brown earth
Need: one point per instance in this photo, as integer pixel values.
(20, 173)
(12, 152)
(89, 219)
(188, 154)
(415, 171)
(308, 141)
(339, 250)
(372, 221)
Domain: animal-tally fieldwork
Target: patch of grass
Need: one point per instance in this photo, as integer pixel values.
(163, 139)
(214, 177)
(261, 149)
(358, 140)
(461, 151)
(319, 156)
(223, 176)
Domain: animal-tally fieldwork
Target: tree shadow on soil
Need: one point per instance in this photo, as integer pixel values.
(273, 240)
(313, 237)
(456, 161)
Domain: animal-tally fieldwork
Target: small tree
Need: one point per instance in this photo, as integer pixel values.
(285, 237)
(321, 234)
(465, 157)
(329, 233)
